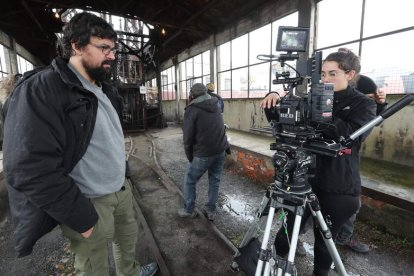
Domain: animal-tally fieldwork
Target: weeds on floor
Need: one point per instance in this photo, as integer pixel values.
(380, 237)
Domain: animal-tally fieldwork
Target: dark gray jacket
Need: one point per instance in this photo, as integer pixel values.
(49, 120)
(203, 129)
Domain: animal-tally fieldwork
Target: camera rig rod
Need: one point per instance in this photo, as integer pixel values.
(379, 119)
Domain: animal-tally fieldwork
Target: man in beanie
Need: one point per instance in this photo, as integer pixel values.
(205, 143)
(210, 91)
(367, 86)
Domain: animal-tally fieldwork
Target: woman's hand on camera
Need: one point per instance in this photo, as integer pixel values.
(270, 100)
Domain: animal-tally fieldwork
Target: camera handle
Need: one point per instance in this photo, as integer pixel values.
(406, 100)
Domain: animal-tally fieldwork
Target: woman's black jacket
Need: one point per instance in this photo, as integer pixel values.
(340, 175)
(49, 120)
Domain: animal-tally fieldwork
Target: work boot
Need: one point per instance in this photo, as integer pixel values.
(148, 269)
(184, 214)
(211, 216)
(356, 245)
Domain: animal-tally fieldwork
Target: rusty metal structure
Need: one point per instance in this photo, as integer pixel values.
(34, 23)
(152, 32)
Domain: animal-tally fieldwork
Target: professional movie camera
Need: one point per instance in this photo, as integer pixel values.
(298, 121)
(297, 124)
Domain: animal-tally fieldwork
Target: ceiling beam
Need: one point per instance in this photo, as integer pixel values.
(132, 34)
(191, 19)
(124, 6)
(34, 18)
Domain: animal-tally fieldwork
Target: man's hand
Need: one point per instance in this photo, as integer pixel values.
(270, 100)
(88, 233)
(380, 96)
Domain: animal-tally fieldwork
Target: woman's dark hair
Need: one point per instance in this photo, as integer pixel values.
(80, 29)
(347, 61)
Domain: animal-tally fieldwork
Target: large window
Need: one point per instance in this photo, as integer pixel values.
(240, 73)
(3, 66)
(168, 84)
(194, 70)
(383, 40)
(23, 65)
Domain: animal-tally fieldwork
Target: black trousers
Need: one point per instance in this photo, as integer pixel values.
(336, 210)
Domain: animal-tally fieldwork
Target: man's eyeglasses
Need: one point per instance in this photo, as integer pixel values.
(333, 74)
(105, 49)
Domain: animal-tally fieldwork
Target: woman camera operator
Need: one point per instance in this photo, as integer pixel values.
(337, 182)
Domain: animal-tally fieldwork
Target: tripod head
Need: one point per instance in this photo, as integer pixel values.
(292, 166)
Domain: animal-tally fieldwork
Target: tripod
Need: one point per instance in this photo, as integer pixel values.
(277, 198)
(290, 191)
(295, 202)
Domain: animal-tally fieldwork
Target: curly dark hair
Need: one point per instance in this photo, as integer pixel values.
(346, 60)
(80, 29)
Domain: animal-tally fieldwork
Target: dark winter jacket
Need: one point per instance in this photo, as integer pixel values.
(340, 175)
(49, 120)
(203, 129)
(220, 103)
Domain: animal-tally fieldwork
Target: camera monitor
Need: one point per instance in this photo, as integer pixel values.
(292, 39)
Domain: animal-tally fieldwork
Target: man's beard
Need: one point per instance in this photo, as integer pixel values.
(98, 73)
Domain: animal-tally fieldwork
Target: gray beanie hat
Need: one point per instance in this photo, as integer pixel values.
(198, 89)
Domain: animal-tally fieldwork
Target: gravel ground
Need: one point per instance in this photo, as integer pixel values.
(51, 255)
(239, 197)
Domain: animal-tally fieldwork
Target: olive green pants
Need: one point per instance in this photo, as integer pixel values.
(117, 226)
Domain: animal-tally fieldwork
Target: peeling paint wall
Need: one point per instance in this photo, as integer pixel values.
(240, 114)
(388, 217)
(244, 114)
(169, 110)
(393, 140)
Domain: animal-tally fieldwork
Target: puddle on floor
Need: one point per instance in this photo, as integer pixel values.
(308, 248)
(237, 207)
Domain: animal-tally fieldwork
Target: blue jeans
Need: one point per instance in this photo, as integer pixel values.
(214, 165)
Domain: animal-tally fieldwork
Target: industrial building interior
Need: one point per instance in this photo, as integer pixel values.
(166, 46)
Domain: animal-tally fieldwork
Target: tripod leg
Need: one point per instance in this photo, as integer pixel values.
(253, 229)
(327, 236)
(294, 241)
(289, 265)
(264, 252)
